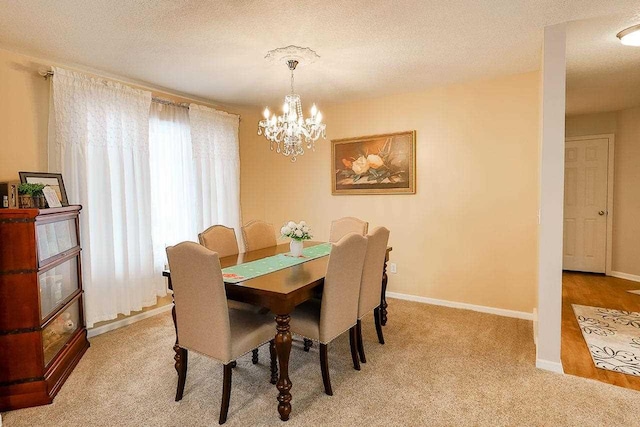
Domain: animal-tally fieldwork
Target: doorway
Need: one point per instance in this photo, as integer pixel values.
(588, 203)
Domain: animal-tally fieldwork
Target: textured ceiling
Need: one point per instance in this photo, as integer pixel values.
(602, 73)
(215, 49)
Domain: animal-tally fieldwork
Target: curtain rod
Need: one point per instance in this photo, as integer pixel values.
(162, 101)
(49, 73)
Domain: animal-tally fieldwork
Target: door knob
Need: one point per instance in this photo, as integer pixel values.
(601, 213)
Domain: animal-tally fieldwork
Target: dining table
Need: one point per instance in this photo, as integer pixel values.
(279, 290)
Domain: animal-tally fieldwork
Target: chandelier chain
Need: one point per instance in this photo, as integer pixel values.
(292, 82)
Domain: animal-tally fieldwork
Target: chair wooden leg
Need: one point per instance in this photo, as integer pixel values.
(274, 361)
(307, 344)
(377, 316)
(226, 393)
(254, 356)
(324, 367)
(363, 358)
(181, 366)
(353, 338)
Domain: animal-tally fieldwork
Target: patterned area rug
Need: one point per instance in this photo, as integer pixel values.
(613, 337)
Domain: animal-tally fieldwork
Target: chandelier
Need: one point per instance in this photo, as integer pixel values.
(290, 132)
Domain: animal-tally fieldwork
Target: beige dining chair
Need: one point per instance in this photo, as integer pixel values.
(371, 284)
(204, 323)
(337, 312)
(258, 235)
(340, 228)
(220, 239)
(343, 226)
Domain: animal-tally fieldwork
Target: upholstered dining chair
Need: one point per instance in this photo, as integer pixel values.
(258, 234)
(220, 239)
(204, 323)
(324, 320)
(343, 226)
(340, 228)
(371, 284)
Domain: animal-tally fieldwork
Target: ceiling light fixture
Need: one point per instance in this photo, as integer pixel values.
(290, 132)
(630, 36)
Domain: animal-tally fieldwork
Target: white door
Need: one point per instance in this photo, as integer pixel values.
(585, 205)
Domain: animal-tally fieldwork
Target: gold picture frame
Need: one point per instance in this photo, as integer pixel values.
(374, 164)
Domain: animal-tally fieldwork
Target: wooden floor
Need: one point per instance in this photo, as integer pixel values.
(595, 290)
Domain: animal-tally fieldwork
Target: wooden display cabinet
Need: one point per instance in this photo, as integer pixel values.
(42, 328)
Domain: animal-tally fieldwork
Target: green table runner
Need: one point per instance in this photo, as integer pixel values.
(253, 269)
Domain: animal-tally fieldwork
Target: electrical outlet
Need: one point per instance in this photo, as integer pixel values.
(393, 267)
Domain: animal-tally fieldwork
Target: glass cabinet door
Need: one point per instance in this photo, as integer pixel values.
(56, 285)
(59, 331)
(55, 238)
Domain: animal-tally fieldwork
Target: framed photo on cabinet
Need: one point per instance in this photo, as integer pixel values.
(376, 164)
(53, 180)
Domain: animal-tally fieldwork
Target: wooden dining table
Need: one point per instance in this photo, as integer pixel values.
(279, 291)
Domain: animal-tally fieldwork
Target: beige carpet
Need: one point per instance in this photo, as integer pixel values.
(440, 366)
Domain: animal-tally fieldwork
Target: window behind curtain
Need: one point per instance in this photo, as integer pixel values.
(172, 179)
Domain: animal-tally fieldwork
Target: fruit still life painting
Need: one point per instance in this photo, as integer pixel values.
(379, 164)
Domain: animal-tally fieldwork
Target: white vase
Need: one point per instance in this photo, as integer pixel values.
(296, 247)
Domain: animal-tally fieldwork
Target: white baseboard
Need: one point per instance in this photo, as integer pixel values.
(550, 366)
(127, 321)
(626, 276)
(481, 308)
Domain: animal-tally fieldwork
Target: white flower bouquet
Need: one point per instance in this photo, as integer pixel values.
(300, 231)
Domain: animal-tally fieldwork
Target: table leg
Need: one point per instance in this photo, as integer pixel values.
(283, 350)
(383, 295)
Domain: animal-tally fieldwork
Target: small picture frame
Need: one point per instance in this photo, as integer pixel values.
(52, 197)
(53, 180)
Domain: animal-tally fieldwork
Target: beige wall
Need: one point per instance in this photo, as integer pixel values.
(24, 109)
(591, 124)
(626, 184)
(470, 233)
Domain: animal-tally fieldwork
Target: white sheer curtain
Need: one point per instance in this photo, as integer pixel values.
(216, 155)
(100, 142)
(172, 179)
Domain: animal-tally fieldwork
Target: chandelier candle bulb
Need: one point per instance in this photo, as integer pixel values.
(266, 113)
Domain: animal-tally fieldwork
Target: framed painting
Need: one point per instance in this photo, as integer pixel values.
(53, 180)
(376, 164)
